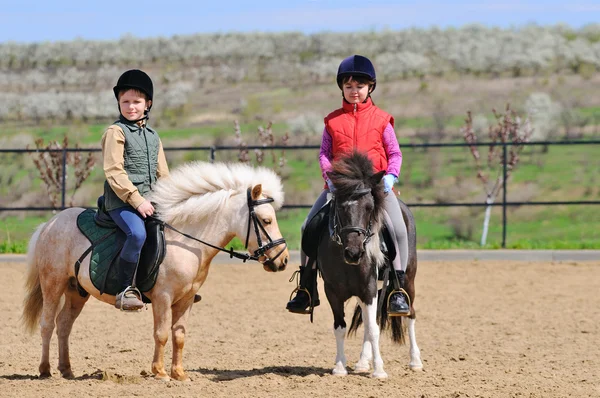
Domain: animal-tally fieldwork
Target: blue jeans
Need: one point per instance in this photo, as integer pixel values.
(130, 222)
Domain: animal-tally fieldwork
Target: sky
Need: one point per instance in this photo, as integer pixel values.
(58, 20)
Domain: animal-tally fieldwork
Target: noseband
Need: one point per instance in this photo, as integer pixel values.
(260, 253)
(339, 233)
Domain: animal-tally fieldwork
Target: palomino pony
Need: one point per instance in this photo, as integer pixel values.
(207, 205)
(352, 259)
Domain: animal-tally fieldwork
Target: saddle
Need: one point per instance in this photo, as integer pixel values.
(107, 240)
(321, 222)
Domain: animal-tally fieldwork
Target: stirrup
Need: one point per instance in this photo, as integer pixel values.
(403, 292)
(310, 305)
(135, 291)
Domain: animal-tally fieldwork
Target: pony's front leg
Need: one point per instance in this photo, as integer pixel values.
(340, 357)
(372, 335)
(415, 354)
(181, 312)
(161, 308)
(339, 330)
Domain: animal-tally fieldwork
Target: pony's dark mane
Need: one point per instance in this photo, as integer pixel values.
(354, 171)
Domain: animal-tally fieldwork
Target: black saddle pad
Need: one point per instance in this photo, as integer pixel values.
(107, 243)
(313, 231)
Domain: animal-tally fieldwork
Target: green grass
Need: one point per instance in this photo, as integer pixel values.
(431, 175)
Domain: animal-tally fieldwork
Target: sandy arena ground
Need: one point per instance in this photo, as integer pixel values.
(485, 329)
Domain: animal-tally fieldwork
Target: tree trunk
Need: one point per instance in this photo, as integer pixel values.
(486, 220)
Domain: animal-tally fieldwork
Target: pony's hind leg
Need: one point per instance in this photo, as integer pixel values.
(366, 355)
(64, 324)
(51, 293)
(372, 334)
(415, 354)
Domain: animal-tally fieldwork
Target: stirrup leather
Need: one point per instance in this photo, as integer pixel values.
(138, 294)
(403, 292)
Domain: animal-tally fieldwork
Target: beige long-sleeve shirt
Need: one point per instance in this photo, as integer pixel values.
(113, 147)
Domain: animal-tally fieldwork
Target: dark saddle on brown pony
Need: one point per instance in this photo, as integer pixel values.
(107, 241)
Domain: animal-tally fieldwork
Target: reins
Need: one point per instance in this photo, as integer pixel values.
(260, 253)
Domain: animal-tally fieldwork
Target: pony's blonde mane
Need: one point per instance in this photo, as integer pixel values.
(198, 189)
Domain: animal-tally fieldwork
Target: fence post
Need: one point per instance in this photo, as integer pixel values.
(504, 184)
(64, 178)
(212, 153)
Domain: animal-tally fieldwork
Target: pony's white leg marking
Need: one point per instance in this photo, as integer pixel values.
(340, 357)
(161, 309)
(366, 354)
(372, 334)
(415, 354)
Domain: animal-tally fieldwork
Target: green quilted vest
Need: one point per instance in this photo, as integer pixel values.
(141, 161)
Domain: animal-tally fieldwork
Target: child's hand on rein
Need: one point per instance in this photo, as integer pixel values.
(145, 209)
(388, 182)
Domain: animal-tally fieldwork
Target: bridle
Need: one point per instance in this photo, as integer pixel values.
(339, 233)
(260, 253)
(262, 248)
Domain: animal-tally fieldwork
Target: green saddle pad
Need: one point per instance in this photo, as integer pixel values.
(106, 246)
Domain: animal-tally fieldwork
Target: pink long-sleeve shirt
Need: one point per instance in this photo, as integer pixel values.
(390, 144)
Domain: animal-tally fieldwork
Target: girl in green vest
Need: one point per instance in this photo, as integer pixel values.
(360, 125)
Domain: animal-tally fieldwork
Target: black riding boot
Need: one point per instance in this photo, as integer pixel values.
(308, 283)
(129, 298)
(398, 302)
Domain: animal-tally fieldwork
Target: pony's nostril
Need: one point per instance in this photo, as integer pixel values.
(285, 261)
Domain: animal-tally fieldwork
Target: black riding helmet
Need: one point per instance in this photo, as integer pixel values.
(138, 80)
(356, 65)
(135, 79)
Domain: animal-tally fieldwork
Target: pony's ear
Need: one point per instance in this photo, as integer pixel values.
(376, 178)
(256, 191)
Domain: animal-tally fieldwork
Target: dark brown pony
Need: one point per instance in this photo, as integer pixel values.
(351, 261)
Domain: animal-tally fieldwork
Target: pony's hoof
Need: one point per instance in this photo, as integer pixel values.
(361, 368)
(180, 377)
(416, 368)
(379, 374)
(339, 371)
(68, 375)
(162, 377)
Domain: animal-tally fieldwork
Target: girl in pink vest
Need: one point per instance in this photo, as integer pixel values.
(360, 125)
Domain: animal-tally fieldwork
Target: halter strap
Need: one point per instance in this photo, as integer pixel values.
(337, 236)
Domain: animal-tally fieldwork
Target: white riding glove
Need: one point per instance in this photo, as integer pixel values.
(388, 182)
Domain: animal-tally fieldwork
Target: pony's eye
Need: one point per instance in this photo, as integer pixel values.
(266, 221)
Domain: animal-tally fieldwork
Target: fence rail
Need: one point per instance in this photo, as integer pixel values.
(504, 203)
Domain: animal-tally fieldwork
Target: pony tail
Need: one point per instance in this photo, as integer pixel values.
(394, 322)
(34, 300)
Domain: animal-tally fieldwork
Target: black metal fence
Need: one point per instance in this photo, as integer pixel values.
(504, 203)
